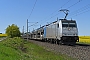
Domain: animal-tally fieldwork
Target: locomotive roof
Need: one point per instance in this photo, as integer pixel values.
(69, 21)
(63, 20)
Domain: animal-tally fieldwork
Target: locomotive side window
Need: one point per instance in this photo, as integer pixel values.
(57, 25)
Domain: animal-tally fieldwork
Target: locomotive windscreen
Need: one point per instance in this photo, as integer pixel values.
(69, 24)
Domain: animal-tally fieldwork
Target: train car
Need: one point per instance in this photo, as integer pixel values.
(37, 34)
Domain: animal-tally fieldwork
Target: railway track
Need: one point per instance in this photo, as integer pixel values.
(79, 51)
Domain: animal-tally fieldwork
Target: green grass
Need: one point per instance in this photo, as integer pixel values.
(18, 49)
(7, 53)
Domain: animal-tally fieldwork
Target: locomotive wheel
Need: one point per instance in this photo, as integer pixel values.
(60, 42)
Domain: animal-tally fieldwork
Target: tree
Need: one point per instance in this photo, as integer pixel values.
(13, 31)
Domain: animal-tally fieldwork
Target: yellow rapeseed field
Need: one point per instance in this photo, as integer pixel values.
(84, 39)
(3, 35)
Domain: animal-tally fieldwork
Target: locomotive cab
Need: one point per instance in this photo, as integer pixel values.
(69, 31)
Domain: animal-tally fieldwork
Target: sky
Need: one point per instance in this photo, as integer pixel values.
(44, 11)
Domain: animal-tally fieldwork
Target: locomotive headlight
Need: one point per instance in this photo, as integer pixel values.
(75, 34)
(69, 29)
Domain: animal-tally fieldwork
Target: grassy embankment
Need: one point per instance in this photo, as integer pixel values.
(84, 39)
(18, 49)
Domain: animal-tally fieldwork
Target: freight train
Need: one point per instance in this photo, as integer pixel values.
(61, 31)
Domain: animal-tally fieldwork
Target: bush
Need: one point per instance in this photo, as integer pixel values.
(13, 31)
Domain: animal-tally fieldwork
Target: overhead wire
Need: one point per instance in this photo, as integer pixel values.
(65, 3)
(50, 18)
(81, 10)
(74, 4)
(32, 9)
(81, 13)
